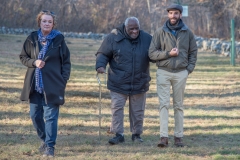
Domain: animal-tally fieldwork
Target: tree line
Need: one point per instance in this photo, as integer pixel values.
(207, 18)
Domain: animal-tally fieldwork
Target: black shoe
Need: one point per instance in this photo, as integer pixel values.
(118, 139)
(136, 137)
(49, 152)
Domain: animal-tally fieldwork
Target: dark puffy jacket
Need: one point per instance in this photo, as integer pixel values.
(55, 73)
(128, 60)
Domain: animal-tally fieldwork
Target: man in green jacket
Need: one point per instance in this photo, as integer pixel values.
(174, 49)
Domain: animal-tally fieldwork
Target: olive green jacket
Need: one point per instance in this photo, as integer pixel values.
(162, 43)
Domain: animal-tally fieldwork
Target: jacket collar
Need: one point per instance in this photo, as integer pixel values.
(34, 39)
(166, 29)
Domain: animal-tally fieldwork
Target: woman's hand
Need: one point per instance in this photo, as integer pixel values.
(39, 63)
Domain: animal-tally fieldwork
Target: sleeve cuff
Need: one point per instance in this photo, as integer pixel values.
(30, 63)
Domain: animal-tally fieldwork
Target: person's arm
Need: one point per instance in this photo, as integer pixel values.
(192, 58)
(25, 55)
(155, 51)
(104, 54)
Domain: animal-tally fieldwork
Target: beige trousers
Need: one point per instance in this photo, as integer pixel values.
(136, 112)
(165, 80)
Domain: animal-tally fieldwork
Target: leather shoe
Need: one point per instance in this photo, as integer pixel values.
(163, 142)
(178, 142)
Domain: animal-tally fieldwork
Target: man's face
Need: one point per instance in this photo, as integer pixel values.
(132, 29)
(174, 16)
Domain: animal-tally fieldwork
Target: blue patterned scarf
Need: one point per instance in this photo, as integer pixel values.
(38, 74)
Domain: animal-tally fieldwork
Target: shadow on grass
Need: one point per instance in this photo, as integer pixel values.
(213, 108)
(212, 128)
(10, 89)
(9, 75)
(200, 95)
(82, 138)
(105, 94)
(85, 116)
(90, 94)
(8, 134)
(86, 140)
(200, 117)
(215, 70)
(212, 117)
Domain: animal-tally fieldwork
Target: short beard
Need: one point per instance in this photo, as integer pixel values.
(174, 23)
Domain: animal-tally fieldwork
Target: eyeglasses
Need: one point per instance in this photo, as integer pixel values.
(47, 11)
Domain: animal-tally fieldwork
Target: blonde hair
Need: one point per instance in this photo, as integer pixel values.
(46, 12)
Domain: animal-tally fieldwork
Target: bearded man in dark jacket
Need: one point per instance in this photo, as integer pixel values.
(126, 51)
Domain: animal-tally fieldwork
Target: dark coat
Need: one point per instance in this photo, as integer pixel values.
(55, 73)
(128, 60)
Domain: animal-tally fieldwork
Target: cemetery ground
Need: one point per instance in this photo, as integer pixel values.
(211, 124)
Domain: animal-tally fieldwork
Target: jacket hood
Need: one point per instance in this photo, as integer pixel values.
(123, 34)
(121, 28)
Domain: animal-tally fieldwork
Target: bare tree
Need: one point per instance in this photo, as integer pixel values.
(207, 18)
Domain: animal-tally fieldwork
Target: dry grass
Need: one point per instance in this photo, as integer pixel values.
(212, 110)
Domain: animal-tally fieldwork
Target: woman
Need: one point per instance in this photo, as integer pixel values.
(48, 60)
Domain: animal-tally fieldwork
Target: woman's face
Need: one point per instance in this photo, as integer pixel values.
(46, 24)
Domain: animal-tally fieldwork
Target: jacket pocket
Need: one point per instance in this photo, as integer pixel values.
(141, 82)
(182, 61)
(117, 76)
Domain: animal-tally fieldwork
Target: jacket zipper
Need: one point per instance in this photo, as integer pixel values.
(174, 62)
(45, 58)
(45, 97)
(47, 52)
(133, 64)
(44, 93)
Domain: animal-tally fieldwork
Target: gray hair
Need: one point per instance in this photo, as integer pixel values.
(131, 18)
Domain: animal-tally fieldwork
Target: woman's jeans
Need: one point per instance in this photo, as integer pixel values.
(45, 119)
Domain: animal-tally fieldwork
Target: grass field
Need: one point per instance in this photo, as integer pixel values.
(211, 124)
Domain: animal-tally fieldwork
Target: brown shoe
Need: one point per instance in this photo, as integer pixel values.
(178, 142)
(163, 142)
